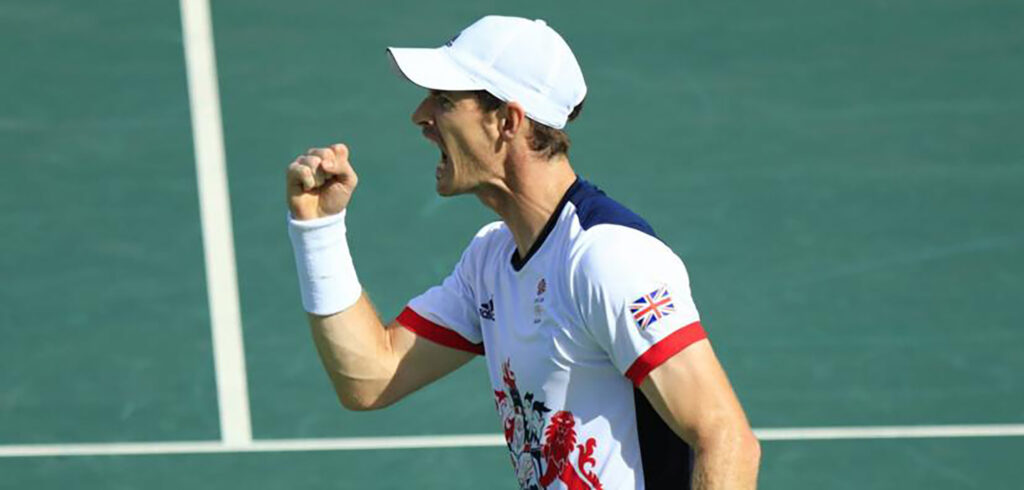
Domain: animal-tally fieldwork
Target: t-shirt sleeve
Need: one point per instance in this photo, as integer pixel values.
(634, 298)
(447, 313)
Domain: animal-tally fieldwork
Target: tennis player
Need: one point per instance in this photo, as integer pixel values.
(602, 375)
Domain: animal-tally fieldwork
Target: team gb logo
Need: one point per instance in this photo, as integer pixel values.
(540, 462)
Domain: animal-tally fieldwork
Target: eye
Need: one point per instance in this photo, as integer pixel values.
(444, 101)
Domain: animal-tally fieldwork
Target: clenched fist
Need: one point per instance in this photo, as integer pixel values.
(320, 183)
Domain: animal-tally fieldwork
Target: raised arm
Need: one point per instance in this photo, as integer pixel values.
(370, 365)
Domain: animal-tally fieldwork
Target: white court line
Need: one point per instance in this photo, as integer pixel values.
(889, 432)
(215, 214)
(477, 440)
(259, 446)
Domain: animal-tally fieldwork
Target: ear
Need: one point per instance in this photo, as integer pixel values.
(513, 120)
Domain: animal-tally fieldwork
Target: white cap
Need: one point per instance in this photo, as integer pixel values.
(514, 59)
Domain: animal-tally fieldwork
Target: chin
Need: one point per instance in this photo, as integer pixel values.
(444, 189)
(448, 189)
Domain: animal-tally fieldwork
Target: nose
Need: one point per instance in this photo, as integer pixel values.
(421, 116)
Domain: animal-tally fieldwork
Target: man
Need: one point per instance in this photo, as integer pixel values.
(601, 371)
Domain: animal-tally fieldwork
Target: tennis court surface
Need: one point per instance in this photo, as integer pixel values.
(845, 182)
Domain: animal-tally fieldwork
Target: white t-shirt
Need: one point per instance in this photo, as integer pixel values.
(568, 333)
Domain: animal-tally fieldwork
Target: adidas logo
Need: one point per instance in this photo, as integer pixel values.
(487, 310)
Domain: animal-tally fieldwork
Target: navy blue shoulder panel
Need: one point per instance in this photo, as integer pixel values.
(593, 207)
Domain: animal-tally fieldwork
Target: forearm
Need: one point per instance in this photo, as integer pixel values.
(370, 365)
(727, 460)
(357, 352)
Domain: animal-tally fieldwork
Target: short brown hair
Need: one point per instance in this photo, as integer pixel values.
(543, 138)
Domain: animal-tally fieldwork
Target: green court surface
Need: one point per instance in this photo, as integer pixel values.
(845, 182)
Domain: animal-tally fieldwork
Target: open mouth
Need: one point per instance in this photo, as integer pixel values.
(442, 164)
(445, 160)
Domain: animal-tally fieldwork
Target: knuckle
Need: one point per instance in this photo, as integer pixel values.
(341, 150)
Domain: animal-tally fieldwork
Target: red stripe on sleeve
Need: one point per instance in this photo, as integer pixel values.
(663, 350)
(436, 333)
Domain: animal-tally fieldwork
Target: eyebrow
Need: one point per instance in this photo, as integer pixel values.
(443, 93)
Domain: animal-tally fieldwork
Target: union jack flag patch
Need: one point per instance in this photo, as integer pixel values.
(650, 307)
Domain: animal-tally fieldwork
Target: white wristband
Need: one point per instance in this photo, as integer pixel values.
(327, 277)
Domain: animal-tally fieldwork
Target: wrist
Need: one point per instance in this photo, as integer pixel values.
(307, 213)
(327, 277)
(312, 222)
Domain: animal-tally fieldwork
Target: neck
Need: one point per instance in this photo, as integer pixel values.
(527, 198)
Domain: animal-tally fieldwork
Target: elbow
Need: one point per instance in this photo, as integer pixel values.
(752, 450)
(361, 402)
(355, 404)
(746, 451)
(736, 442)
(747, 447)
(357, 395)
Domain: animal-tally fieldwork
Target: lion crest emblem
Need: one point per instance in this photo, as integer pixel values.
(542, 454)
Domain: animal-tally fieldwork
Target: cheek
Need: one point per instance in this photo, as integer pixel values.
(457, 144)
(468, 138)
(476, 144)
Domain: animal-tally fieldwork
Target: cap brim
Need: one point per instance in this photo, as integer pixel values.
(431, 69)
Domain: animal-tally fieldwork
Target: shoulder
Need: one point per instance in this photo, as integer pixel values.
(491, 231)
(486, 240)
(594, 207)
(613, 242)
(611, 254)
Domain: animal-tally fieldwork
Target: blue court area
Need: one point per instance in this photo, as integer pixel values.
(844, 182)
